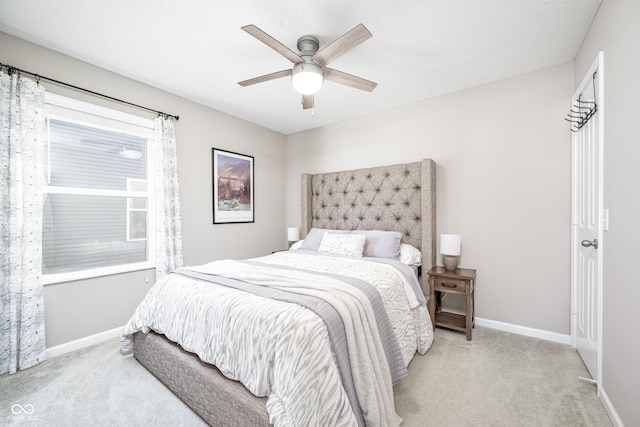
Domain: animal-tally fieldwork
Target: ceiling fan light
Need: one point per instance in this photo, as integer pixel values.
(307, 78)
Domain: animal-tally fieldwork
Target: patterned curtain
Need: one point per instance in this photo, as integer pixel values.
(22, 341)
(168, 221)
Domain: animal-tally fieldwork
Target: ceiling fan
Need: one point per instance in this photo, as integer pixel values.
(310, 66)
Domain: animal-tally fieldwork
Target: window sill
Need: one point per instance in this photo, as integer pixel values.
(50, 279)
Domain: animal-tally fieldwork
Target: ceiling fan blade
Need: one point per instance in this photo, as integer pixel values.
(265, 78)
(273, 43)
(349, 80)
(307, 102)
(342, 45)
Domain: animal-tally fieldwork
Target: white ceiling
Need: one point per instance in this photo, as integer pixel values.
(196, 49)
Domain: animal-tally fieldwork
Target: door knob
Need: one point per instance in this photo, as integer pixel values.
(587, 243)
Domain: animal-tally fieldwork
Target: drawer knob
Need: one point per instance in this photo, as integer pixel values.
(449, 285)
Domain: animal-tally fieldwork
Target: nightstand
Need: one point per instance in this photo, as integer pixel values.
(459, 281)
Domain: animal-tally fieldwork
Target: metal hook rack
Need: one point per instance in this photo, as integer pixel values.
(581, 112)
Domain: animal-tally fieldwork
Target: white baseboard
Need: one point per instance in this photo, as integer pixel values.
(83, 342)
(492, 324)
(611, 411)
(524, 330)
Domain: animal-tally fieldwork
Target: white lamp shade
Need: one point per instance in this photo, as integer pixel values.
(293, 234)
(450, 244)
(307, 78)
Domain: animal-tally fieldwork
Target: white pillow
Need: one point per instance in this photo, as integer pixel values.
(351, 245)
(296, 245)
(314, 236)
(410, 255)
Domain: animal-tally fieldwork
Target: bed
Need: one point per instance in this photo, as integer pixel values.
(303, 379)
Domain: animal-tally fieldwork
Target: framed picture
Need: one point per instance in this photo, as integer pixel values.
(233, 190)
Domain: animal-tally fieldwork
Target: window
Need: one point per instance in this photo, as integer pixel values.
(96, 219)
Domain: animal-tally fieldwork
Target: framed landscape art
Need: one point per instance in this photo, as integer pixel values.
(233, 190)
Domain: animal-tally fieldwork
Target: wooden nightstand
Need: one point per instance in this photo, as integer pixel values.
(459, 281)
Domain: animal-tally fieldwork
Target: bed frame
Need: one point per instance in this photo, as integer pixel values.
(394, 198)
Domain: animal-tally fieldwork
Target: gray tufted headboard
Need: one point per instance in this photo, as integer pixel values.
(393, 198)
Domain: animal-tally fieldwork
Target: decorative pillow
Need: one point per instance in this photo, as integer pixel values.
(314, 236)
(381, 244)
(410, 255)
(351, 245)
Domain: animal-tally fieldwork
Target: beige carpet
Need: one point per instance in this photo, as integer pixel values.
(498, 379)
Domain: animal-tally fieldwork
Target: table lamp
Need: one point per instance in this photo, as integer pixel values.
(450, 250)
(293, 235)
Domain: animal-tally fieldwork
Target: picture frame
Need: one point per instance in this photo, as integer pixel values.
(233, 187)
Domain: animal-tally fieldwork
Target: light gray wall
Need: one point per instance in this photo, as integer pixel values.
(503, 182)
(616, 32)
(78, 309)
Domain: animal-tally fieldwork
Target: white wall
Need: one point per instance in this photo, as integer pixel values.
(503, 182)
(616, 32)
(78, 309)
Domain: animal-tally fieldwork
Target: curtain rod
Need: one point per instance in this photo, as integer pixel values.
(38, 77)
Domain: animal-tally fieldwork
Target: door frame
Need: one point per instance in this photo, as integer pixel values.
(597, 66)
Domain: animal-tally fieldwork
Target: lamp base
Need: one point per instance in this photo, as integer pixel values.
(450, 262)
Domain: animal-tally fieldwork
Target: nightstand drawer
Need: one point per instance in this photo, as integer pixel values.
(450, 285)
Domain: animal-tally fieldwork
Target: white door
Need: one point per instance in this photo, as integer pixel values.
(587, 218)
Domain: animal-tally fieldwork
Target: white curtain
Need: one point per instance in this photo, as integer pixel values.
(167, 213)
(22, 341)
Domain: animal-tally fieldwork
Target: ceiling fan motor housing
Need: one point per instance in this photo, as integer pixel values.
(308, 46)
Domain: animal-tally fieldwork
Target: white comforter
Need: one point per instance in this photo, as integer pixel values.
(281, 350)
